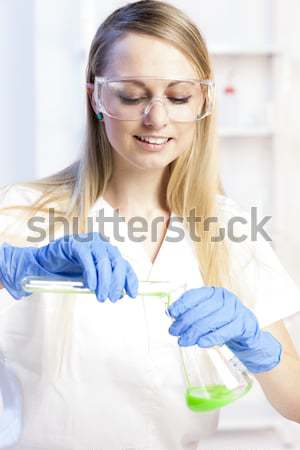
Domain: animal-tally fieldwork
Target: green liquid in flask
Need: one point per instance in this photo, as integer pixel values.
(203, 399)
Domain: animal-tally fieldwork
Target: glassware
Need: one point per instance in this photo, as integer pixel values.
(11, 421)
(214, 376)
(64, 286)
(223, 381)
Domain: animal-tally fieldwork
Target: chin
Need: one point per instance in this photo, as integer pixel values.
(148, 163)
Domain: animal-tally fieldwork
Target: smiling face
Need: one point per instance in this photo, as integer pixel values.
(137, 56)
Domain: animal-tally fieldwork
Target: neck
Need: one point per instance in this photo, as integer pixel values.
(138, 192)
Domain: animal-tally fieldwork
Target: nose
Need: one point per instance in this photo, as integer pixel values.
(156, 114)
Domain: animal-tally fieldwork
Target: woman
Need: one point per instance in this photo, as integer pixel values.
(107, 376)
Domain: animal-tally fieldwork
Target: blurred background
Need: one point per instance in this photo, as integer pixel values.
(255, 53)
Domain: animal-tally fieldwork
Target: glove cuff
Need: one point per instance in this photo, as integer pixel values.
(263, 356)
(9, 257)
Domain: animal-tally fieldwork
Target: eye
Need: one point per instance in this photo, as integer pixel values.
(179, 100)
(130, 100)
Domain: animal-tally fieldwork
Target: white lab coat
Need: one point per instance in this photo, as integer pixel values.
(121, 384)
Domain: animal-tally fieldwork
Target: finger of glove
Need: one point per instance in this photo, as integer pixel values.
(116, 259)
(104, 275)
(190, 299)
(86, 261)
(208, 307)
(229, 332)
(103, 266)
(113, 252)
(250, 332)
(216, 320)
(131, 282)
(117, 280)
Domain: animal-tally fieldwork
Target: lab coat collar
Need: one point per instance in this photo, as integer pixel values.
(163, 266)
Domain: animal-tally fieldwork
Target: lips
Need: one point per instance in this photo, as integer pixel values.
(141, 140)
(152, 147)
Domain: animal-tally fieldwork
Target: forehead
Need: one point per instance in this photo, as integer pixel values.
(141, 55)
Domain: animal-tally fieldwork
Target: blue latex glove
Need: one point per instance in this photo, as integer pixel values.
(210, 316)
(87, 256)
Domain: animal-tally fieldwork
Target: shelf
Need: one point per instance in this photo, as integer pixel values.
(238, 132)
(239, 51)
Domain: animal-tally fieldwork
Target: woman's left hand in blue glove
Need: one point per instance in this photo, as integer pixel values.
(213, 316)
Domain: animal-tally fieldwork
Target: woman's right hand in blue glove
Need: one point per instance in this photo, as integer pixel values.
(85, 256)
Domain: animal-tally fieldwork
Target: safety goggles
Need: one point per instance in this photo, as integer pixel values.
(131, 98)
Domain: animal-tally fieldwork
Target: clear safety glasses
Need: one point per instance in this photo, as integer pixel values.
(131, 98)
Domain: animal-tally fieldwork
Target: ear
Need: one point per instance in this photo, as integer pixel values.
(90, 90)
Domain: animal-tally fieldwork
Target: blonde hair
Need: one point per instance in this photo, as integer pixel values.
(194, 176)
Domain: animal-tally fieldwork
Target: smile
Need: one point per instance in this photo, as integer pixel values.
(151, 143)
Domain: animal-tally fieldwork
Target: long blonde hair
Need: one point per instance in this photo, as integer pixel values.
(194, 176)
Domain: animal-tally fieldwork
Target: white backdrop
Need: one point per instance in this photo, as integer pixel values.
(43, 49)
(17, 90)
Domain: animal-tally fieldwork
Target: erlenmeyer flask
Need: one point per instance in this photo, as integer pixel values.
(214, 376)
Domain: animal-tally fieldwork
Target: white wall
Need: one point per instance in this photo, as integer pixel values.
(17, 90)
(287, 145)
(59, 84)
